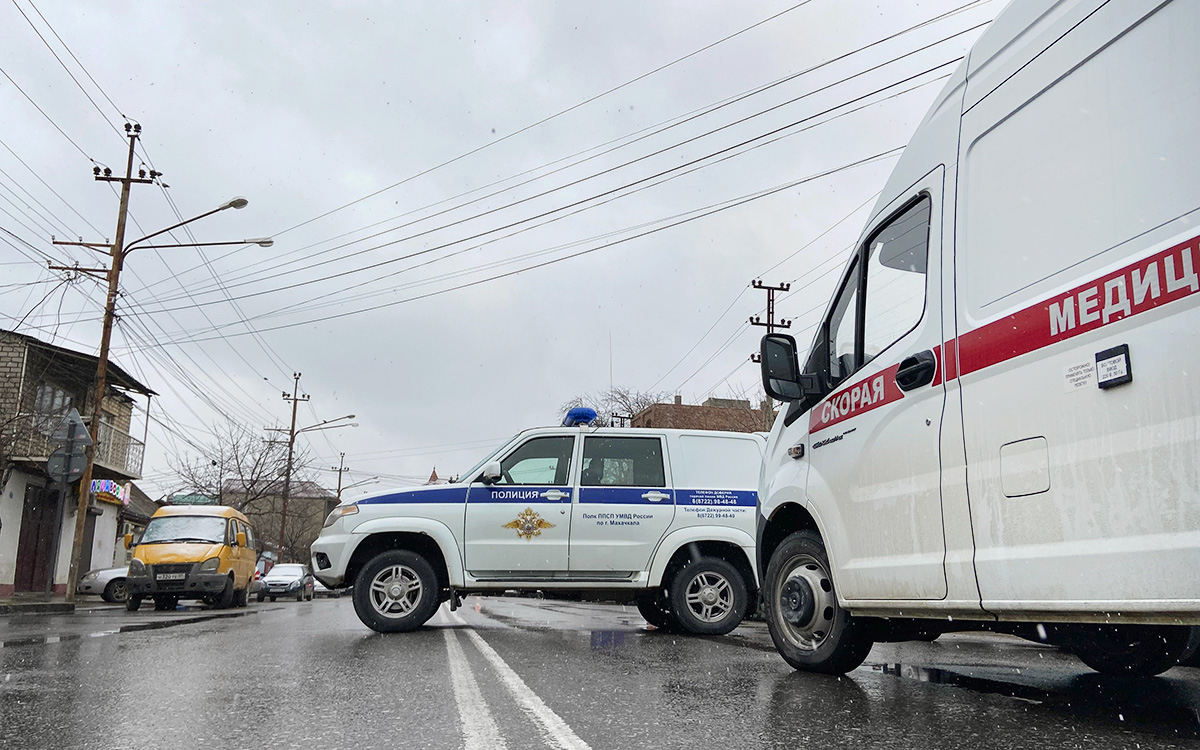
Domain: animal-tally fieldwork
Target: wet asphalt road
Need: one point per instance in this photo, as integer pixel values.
(525, 673)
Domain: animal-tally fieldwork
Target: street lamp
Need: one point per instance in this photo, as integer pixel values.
(328, 424)
(117, 251)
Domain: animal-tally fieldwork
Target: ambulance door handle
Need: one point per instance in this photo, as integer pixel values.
(656, 497)
(555, 495)
(916, 371)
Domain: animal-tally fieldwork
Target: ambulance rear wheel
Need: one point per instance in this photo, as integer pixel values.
(810, 629)
(708, 597)
(396, 591)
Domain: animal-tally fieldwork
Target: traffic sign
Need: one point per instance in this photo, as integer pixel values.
(66, 467)
(78, 437)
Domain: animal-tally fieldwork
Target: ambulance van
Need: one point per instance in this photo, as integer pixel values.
(997, 424)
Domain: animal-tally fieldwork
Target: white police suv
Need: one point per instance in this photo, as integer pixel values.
(664, 516)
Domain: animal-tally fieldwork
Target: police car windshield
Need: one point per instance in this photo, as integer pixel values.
(469, 474)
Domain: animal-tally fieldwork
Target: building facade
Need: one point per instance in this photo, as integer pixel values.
(39, 385)
(734, 415)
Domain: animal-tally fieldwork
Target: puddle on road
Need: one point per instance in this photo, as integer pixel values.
(1163, 706)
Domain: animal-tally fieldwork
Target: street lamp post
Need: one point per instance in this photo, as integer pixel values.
(295, 398)
(118, 250)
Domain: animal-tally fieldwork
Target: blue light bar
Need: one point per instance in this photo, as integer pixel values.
(579, 415)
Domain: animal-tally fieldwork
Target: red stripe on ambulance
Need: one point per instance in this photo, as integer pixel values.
(1164, 277)
(859, 398)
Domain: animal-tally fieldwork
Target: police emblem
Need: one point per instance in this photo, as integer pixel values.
(529, 524)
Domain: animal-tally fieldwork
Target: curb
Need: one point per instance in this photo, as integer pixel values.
(11, 608)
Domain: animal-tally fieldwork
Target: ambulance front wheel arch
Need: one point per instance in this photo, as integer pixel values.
(810, 629)
(396, 591)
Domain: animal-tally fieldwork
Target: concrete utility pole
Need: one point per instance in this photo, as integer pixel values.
(295, 398)
(771, 324)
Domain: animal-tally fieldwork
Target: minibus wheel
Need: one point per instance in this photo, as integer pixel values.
(132, 602)
(396, 591)
(810, 629)
(708, 597)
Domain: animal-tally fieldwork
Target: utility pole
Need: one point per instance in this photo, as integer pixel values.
(295, 398)
(771, 323)
(117, 255)
(341, 469)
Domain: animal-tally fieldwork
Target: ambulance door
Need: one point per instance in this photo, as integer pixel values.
(519, 526)
(874, 479)
(625, 504)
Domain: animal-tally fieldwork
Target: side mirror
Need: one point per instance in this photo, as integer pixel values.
(491, 472)
(780, 369)
(241, 539)
(129, 541)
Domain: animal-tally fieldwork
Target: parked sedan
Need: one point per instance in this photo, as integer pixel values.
(288, 579)
(109, 583)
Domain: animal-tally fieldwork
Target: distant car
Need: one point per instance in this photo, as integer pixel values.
(288, 579)
(109, 583)
(320, 589)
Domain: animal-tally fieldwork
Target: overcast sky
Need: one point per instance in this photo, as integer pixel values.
(480, 210)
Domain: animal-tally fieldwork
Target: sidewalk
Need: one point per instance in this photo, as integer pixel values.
(55, 621)
(35, 603)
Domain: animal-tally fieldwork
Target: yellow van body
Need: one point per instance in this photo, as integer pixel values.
(202, 552)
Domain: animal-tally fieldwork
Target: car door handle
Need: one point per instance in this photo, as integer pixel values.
(916, 371)
(656, 497)
(555, 495)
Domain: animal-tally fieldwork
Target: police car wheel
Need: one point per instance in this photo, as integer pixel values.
(653, 609)
(1133, 650)
(810, 629)
(708, 597)
(396, 591)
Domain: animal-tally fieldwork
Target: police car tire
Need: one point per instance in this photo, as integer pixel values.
(422, 609)
(653, 609)
(1134, 651)
(832, 641)
(714, 569)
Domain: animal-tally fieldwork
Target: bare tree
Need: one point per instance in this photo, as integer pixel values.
(240, 467)
(618, 400)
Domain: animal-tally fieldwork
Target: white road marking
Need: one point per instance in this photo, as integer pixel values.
(554, 729)
(478, 727)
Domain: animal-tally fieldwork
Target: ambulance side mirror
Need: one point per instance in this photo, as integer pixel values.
(491, 472)
(781, 376)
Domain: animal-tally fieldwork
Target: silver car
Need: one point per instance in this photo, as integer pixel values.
(109, 583)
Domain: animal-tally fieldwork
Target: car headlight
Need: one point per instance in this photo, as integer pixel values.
(89, 576)
(137, 567)
(210, 565)
(294, 585)
(340, 512)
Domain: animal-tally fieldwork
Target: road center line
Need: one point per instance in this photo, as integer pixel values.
(478, 727)
(555, 730)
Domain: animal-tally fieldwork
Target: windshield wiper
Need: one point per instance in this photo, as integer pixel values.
(181, 539)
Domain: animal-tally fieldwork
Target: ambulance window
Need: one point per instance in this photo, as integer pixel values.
(543, 460)
(896, 269)
(622, 462)
(842, 329)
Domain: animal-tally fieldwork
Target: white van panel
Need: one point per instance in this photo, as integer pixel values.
(1047, 190)
(1078, 234)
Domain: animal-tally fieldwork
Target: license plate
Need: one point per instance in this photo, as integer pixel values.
(171, 576)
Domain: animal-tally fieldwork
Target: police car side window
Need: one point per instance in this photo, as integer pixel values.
(543, 460)
(622, 462)
(896, 270)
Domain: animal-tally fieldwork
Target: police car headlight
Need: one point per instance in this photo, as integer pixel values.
(137, 567)
(340, 512)
(210, 565)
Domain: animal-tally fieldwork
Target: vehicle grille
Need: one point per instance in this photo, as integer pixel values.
(177, 568)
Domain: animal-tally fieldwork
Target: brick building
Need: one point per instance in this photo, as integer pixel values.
(39, 384)
(734, 415)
